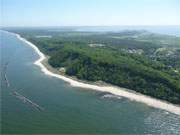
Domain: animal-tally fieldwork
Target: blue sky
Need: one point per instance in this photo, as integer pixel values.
(89, 12)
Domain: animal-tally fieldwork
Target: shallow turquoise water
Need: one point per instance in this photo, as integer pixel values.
(67, 109)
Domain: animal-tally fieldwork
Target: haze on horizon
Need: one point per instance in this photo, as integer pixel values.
(89, 13)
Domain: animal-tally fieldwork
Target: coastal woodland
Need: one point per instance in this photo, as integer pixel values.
(142, 61)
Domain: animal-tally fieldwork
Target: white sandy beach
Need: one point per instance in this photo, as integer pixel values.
(111, 89)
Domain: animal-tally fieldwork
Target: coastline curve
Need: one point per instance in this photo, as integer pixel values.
(156, 103)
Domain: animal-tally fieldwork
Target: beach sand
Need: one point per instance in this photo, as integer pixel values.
(156, 103)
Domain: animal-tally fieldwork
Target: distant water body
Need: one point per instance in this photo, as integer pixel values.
(67, 109)
(169, 30)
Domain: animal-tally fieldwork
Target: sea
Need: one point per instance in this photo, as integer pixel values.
(35, 103)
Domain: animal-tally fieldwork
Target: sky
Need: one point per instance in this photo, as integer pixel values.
(89, 12)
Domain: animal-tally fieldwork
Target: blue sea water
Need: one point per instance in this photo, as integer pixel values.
(169, 30)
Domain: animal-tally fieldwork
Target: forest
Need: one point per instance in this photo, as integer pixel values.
(145, 62)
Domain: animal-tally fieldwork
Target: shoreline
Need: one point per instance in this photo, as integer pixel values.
(150, 101)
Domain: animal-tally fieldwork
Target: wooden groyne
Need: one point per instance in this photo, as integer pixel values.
(5, 67)
(6, 80)
(26, 100)
(5, 76)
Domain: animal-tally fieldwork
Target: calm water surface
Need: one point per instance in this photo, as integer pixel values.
(67, 109)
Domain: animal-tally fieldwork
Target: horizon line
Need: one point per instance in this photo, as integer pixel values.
(85, 26)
